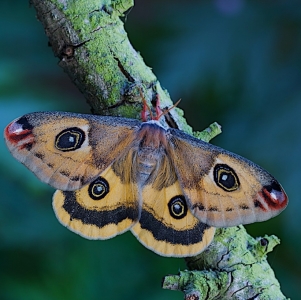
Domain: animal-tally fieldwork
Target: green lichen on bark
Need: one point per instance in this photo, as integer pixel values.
(209, 133)
(234, 266)
(93, 48)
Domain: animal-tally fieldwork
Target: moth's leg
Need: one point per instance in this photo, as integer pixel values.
(159, 112)
(145, 109)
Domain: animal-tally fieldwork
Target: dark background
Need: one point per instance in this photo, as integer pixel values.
(236, 62)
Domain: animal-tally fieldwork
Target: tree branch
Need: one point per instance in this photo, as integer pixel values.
(233, 267)
(89, 39)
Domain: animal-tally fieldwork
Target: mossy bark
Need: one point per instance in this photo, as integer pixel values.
(93, 48)
(233, 267)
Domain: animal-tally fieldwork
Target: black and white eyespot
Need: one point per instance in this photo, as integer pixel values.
(70, 139)
(98, 189)
(225, 177)
(25, 123)
(177, 207)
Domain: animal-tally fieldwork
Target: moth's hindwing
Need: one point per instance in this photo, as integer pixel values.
(100, 210)
(167, 226)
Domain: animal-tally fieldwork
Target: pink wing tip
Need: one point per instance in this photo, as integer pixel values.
(274, 196)
(19, 132)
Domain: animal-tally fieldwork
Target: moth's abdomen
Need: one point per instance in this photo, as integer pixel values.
(148, 159)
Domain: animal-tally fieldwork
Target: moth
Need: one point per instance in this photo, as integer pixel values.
(115, 174)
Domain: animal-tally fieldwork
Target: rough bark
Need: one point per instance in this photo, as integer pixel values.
(233, 267)
(93, 48)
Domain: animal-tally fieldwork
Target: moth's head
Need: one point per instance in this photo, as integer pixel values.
(148, 114)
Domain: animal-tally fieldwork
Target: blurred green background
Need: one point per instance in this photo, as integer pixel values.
(232, 61)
